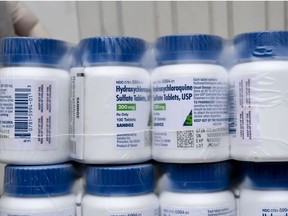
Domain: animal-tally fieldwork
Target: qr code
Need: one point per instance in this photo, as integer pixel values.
(185, 139)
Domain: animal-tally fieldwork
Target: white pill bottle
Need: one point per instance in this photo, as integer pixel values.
(189, 100)
(120, 190)
(34, 101)
(115, 101)
(265, 189)
(198, 189)
(259, 97)
(38, 191)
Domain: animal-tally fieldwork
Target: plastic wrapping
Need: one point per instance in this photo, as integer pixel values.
(190, 100)
(111, 117)
(197, 189)
(38, 190)
(110, 101)
(258, 102)
(124, 190)
(264, 189)
(34, 85)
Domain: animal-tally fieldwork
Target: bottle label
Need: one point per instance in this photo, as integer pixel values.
(77, 83)
(229, 210)
(142, 212)
(190, 112)
(64, 212)
(132, 110)
(28, 114)
(274, 211)
(243, 114)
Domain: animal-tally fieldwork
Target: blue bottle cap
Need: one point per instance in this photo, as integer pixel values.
(198, 177)
(38, 181)
(33, 51)
(267, 175)
(111, 49)
(119, 180)
(173, 48)
(262, 44)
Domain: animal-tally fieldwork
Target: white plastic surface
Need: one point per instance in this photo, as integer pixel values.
(265, 88)
(201, 150)
(54, 205)
(263, 202)
(38, 155)
(145, 205)
(100, 133)
(198, 203)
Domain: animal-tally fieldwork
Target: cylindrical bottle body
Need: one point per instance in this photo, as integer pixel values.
(190, 114)
(258, 111)
(263, 202)
(145, 205)
(38, 206)
(116, 115)
(34, 115)
(197, 203)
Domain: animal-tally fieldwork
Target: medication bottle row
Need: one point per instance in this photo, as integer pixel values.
(189, 189)
(195, 103)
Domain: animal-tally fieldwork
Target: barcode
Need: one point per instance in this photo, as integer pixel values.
(232, 111)
(185, 139)
(21, 113)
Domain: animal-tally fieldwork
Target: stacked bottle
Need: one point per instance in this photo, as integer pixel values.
(110, 101)
(110, 126)
(265, 185)
(190, 125)
(198, 189)
(34, 86)
(258, 115)
(110, 123)
(189, 100)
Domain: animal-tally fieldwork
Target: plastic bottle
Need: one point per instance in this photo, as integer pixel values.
(120, 190)
(258, 90)
(265, 189)
(34, 85)
(38, 191)
(189, 99)
(115, 101)
(198, 189)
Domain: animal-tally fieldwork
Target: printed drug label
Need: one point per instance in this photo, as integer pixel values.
(190, 112)
(77, 82)
(28, 114)
(274, 211)
(243, 116)
(132, 109)
(181, 211)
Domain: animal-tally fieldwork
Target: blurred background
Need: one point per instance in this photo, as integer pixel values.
(73, 20)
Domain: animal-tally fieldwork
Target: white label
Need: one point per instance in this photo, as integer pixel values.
(190, 112)
(28, 114)
(274, 211)
(132, 110)
(182, 211)
(232, 109)
(143, 212)
(63, 212)
(243, 119)
(77, 83)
